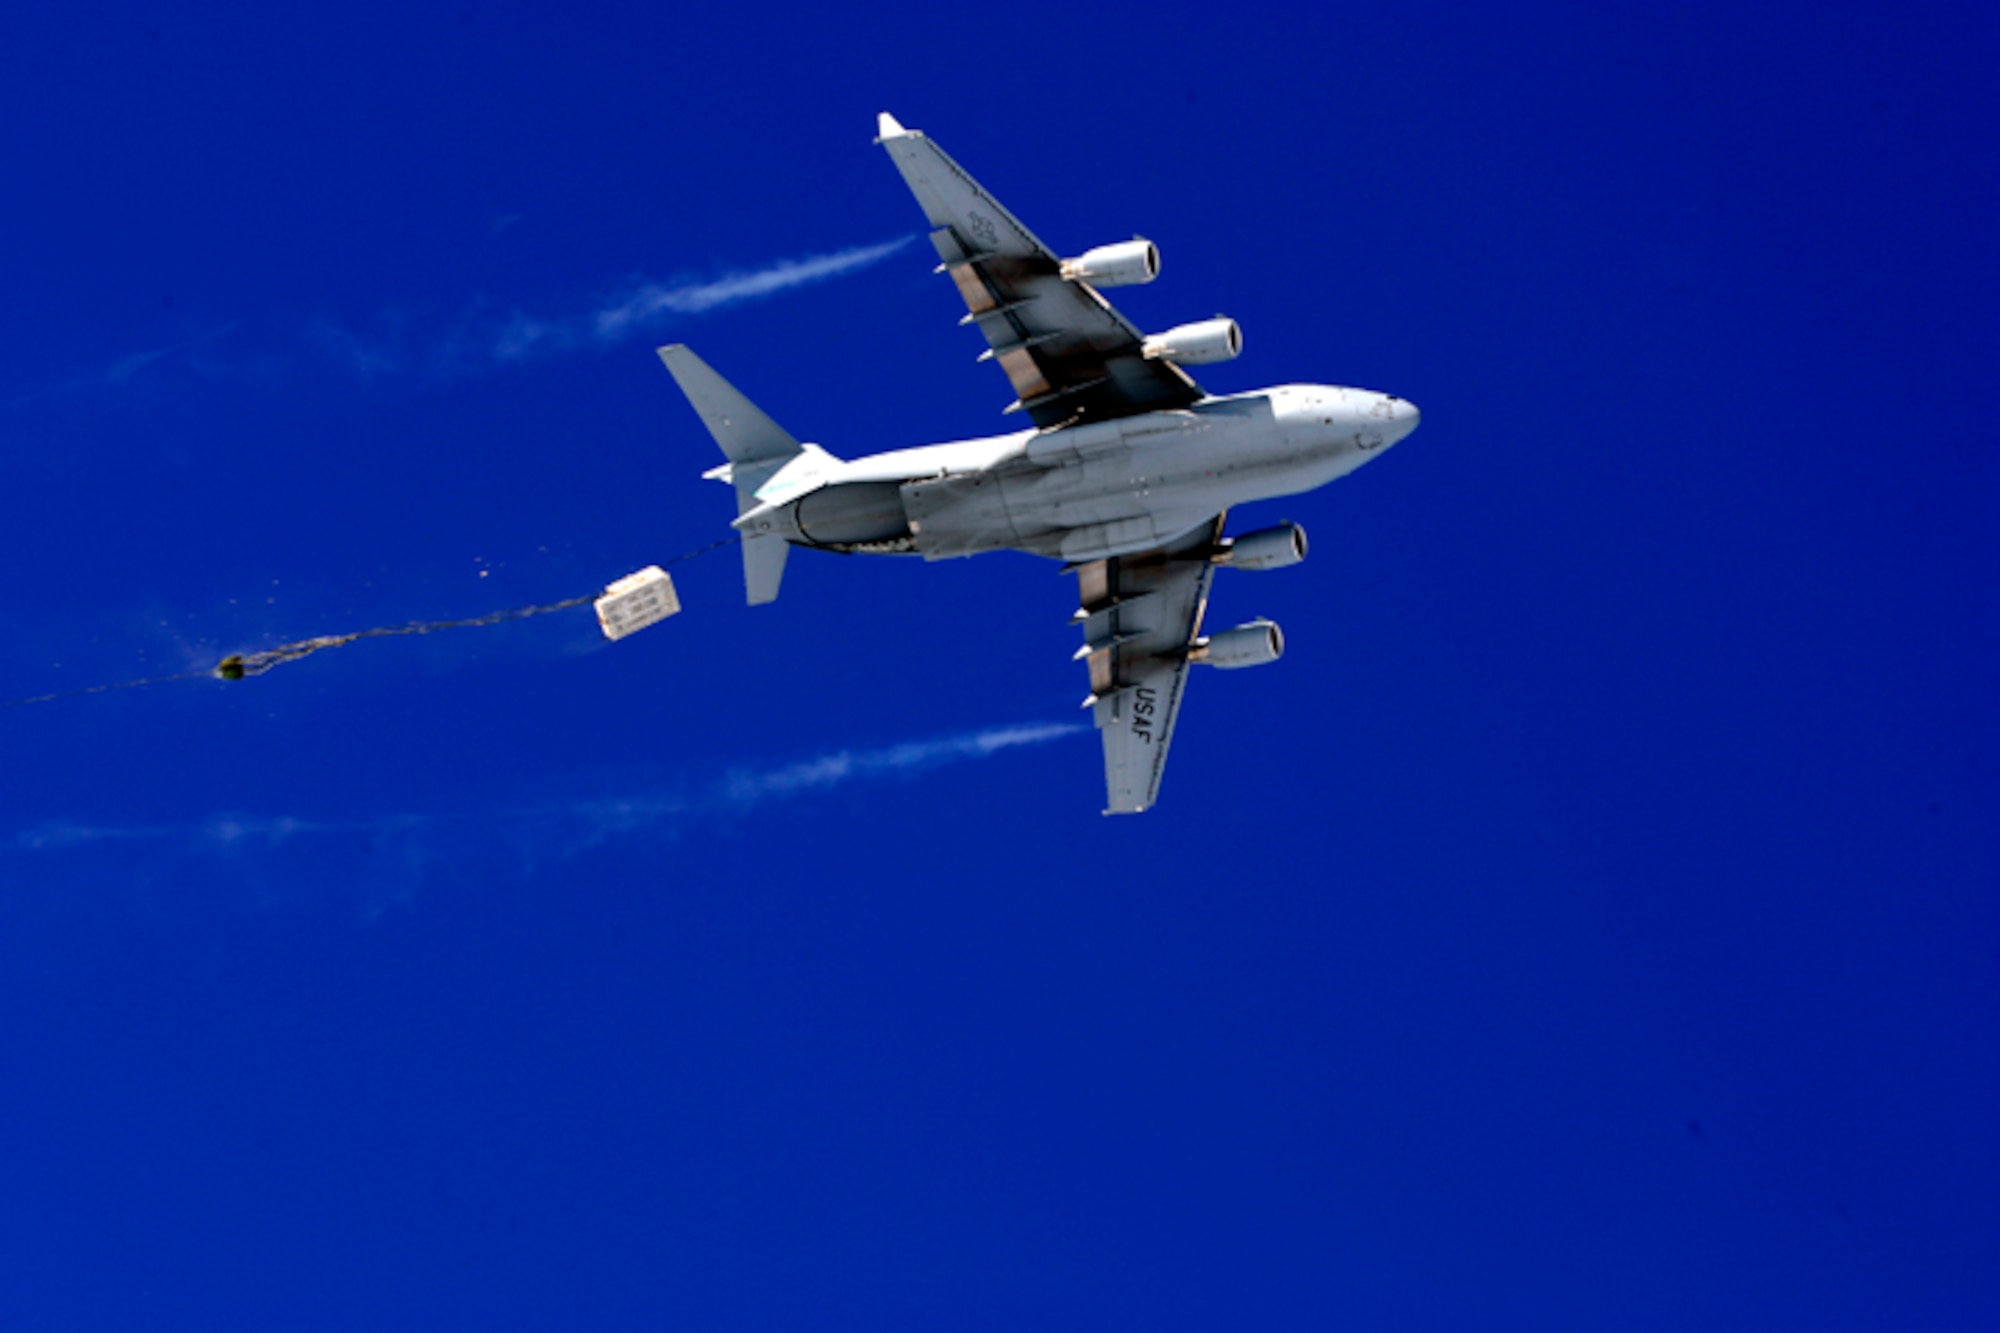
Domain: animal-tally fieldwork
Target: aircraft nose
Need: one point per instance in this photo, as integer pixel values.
(1385, 419)
(1398, 416)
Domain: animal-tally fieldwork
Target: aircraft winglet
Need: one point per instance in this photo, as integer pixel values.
(888, 127)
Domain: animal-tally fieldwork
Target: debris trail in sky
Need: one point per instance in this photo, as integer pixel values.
(102, 689)
(241, 666)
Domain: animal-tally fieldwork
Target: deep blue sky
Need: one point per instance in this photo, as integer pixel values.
(1591, 923)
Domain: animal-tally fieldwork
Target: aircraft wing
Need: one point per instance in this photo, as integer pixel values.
(1069, 355)
(1141, 614)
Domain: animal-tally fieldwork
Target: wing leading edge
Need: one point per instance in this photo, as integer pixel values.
(1141, 615)
(1069, 355)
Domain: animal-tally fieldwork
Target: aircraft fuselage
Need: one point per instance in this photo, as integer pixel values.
(1084, 491)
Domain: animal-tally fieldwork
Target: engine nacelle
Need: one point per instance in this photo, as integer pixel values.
(1266, 548)
(1254, 644)
(1198, 344)
(1122, 265)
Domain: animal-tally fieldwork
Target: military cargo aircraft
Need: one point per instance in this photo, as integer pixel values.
(1126, 474)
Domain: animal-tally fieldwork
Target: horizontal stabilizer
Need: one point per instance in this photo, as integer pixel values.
(745, 433)
(764, 567)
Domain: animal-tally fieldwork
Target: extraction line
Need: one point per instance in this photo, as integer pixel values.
(240, 666)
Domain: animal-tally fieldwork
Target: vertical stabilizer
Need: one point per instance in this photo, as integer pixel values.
(756, 448)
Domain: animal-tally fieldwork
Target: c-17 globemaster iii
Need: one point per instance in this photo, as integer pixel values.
(1126, 474)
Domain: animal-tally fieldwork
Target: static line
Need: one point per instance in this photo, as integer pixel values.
(241, 666)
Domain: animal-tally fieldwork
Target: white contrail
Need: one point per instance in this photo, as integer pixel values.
(745, 788)
(742, 788)
(87, 384)
(476, 340)
(566, 828)
(222, 834)
(647, 305)
(649, 301)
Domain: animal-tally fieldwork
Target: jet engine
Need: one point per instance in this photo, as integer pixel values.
(1266, 548)
(1254, 644)
(1122, 265)
(1198, 344)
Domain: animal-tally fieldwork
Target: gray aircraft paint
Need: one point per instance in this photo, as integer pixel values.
(1126, 475)
(1089, 491)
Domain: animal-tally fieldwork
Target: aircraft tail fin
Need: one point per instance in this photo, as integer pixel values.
(756, 448)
